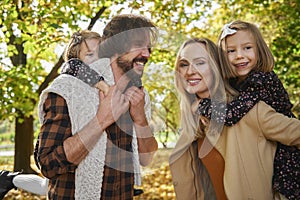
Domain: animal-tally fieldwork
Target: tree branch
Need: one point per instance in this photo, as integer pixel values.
(54, 72)
(97, 16)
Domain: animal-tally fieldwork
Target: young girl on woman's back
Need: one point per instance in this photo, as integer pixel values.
(250, 63)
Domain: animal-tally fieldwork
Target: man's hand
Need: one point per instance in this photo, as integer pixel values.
(111, 107)
(136, 99)
(147, 144)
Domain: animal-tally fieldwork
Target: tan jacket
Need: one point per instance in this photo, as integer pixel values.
(248, 149)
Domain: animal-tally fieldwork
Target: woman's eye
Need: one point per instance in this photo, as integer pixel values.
(183, 65)
(199, 63)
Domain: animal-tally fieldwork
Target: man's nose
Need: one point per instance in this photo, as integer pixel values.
(146, 52)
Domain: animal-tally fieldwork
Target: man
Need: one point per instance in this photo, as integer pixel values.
(88, 142)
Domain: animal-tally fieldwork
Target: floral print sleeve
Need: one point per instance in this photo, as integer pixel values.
(232, 112)
(258, 86)
(82, 71)
(278, 97)
(286, 160)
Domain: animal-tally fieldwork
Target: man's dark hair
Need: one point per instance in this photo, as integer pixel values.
(122, 30)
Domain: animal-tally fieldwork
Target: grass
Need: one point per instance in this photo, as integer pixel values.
(6, 160)
(7, 138)
(6, 143)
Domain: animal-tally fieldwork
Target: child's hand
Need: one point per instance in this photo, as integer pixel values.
(104, 87)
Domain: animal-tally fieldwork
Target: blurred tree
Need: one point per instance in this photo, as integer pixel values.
(31, 31)
(175, 20)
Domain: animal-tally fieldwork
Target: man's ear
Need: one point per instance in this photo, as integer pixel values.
(114, 58)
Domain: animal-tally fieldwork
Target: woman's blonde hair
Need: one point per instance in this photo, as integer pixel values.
(265, 59)
(219, 90)
(74, 45)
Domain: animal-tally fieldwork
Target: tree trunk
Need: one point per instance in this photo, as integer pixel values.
(23, 144)
(24, 125)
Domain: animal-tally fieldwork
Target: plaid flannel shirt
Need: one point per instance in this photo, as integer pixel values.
(118, 175)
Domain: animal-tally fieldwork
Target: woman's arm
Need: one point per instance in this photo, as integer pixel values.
(278, 127)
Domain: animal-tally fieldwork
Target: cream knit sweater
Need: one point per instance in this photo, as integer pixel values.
(82, 101)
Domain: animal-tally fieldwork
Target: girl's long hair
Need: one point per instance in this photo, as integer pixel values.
(265, 58)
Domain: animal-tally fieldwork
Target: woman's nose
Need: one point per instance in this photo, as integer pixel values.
(191, 69)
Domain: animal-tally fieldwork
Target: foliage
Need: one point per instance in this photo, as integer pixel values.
(158, 184)
(6, 126)
(279, 22)
(6, 163)
(31, 31)
(7, 138)
(286, 48)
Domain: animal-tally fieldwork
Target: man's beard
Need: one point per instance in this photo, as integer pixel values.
(127, 68)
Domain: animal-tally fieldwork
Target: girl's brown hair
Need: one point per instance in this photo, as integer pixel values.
(265, 59)
(74, 45)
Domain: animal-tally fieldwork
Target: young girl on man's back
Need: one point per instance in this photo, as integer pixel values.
(82, 50)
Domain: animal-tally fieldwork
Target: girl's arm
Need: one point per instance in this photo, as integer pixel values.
(279, 98)
(232, 112)
(82, 71)
(252, 91)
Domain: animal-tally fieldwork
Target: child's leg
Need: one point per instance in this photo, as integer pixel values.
(31, 183)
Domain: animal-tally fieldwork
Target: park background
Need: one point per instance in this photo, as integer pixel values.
(35, 32)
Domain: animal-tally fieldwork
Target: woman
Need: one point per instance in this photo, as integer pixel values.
(215, 162)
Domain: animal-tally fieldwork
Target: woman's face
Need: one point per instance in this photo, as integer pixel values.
(194, 69)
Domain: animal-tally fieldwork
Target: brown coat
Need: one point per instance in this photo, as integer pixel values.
(248, 149)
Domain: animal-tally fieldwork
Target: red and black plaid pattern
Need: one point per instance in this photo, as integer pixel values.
(118, 172)
(55, 129)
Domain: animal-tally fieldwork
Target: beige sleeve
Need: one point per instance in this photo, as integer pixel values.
(278, 127)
